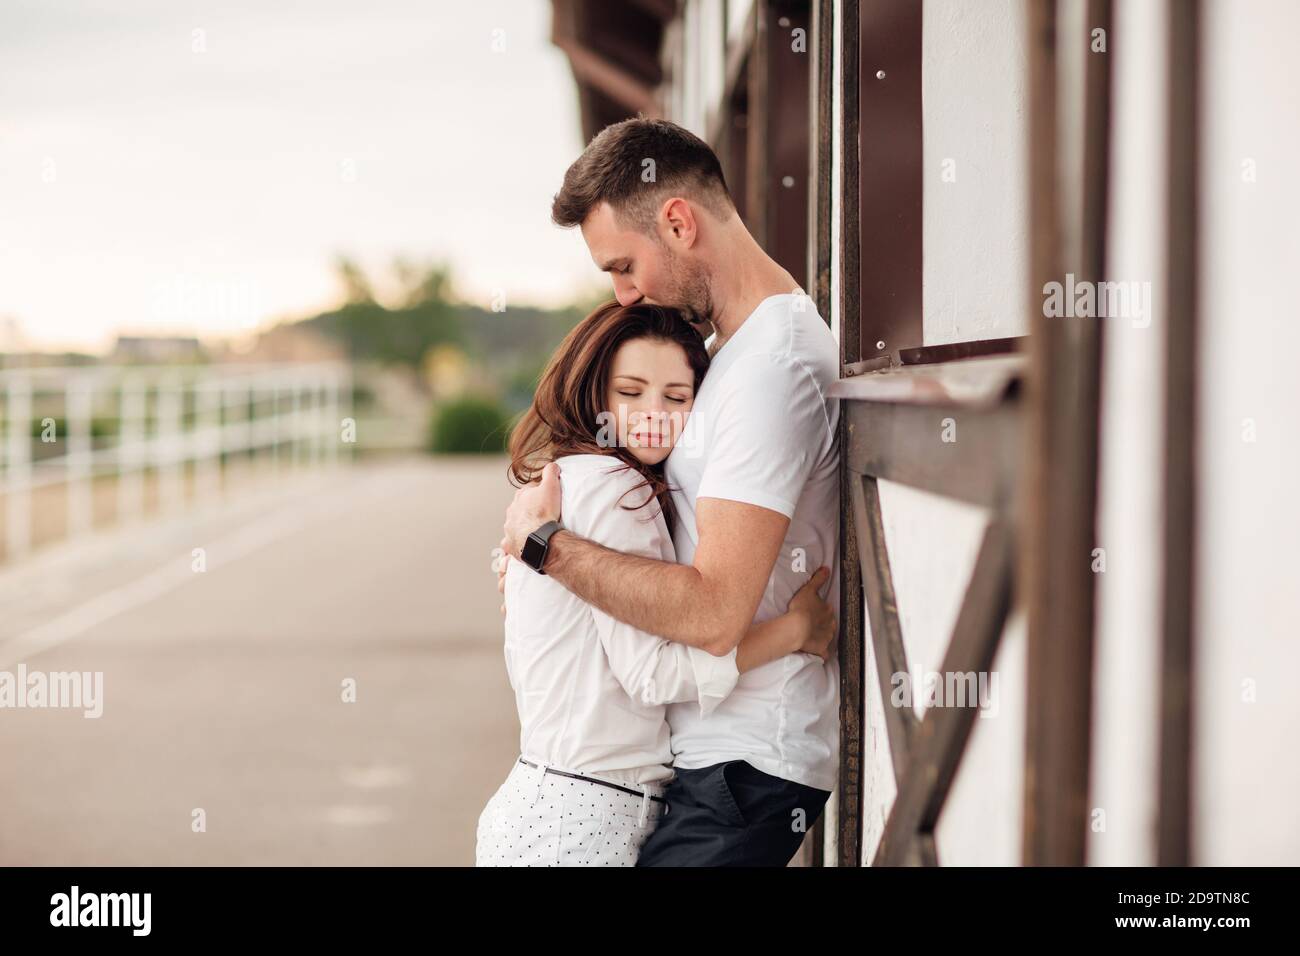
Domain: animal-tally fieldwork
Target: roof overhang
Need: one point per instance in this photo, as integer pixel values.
(614, 52)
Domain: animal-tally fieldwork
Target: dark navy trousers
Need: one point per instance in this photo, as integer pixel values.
(732, 814)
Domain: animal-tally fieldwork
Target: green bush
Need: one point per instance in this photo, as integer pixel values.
(470, 425)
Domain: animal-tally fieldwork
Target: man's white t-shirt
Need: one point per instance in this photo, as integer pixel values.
(763, 431)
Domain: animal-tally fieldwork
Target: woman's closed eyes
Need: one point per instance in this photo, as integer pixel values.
(675, 399)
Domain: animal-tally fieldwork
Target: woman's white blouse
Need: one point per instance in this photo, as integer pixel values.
(591, 690)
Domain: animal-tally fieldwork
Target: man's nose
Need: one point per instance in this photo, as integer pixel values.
(626, 293)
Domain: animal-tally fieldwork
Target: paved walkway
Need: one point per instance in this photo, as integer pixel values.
(223, 689)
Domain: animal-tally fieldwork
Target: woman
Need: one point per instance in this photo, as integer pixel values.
(592, 691)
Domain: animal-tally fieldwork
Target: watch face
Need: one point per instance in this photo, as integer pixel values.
(533, 552)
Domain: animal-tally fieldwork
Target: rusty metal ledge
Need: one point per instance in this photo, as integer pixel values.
(982, 382)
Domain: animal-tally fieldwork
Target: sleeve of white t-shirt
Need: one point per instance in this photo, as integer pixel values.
(650, 668)
(769, 427)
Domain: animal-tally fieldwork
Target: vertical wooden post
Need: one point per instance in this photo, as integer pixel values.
(1064, 405)
(759, 129)
(821, 40)
(821, 107)
(849, 797)
(1174, 845)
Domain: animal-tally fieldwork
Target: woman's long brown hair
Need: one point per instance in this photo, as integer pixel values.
(563, 418)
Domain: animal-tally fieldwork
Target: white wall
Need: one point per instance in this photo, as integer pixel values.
(1126, 675)
(975, 253)
(1247, 708)
(1246, 715)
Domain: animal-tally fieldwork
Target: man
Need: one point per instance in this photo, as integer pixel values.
(755, 485)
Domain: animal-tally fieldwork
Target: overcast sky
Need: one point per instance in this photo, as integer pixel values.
(194, 166)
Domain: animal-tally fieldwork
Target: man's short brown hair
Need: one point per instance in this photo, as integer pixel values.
(634, 166)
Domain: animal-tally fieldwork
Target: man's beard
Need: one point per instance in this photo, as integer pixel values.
(691, 294)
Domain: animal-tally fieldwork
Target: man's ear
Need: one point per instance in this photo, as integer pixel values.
(677, 220)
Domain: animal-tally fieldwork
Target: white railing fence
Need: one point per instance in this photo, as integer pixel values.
(70, 426)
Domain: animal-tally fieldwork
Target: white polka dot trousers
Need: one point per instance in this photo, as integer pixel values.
(537, 819)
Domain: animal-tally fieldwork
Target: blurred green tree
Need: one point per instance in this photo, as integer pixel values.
(504, 351)
(371, 330)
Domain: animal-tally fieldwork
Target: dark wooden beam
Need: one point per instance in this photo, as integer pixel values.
(904, 443)
(850, 325)
(663, 10)
(614, 59)
(1064, 405)
(882, 607)
(1182, 336)
(759, 127)
(851, 649)
(851, 660)
(951, 351)
(940, 739)
(821, 39)
(609, 78)
(1044, 266)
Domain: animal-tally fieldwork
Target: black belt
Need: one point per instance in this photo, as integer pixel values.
(603, 783)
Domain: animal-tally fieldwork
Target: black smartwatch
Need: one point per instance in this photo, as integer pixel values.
(538, 543)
